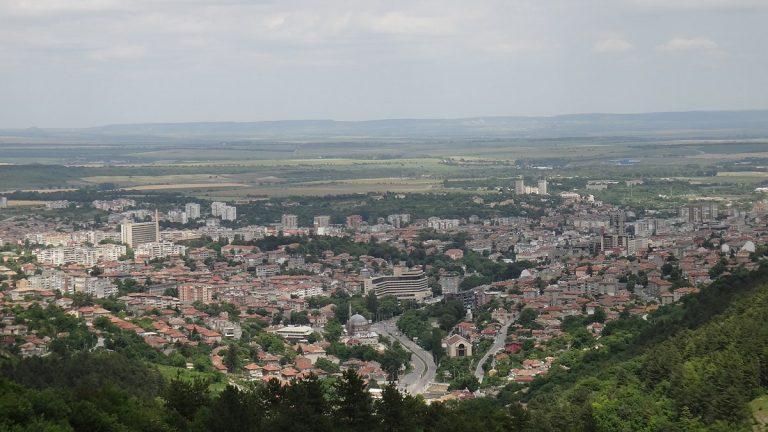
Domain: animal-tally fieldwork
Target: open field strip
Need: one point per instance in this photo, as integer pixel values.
(290, 162)
(42, 190)
(152, 187)
(25, 203)
(160, 179)
(742, 174)
(728, 156)
(374, 181)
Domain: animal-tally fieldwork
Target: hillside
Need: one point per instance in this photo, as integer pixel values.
(695, 366)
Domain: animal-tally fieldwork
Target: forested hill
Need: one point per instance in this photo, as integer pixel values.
(689, 367)
(692, 366)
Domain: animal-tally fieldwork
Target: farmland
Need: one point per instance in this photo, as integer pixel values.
(236, 161)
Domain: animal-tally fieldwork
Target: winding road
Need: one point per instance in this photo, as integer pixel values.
(424, 367)
(498, 344)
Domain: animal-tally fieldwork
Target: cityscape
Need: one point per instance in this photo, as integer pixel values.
(421, 216)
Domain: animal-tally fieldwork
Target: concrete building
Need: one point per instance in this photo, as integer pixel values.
(178, 216)
(3, 202)
(618, 222)
(159, 249)
(217, 208)
(83, 255)
(229, 213)
(442, 224)
(322, 221)
(192, 210)
(543, 186)
(399, 220)
(190, 293)
(450, 284)
(295, 333)
(289, 221)
(354, 221)
(404, 284)
(704, 211)
(519, 186)
(134, 234)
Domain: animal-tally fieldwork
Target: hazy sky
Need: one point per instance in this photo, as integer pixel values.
(83, 63)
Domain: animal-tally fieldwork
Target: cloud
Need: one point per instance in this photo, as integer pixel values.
(611, 45)
(125, 52)
(699, 43)
(508, 47)
(697, 5)
(399, 23)
(37, 7)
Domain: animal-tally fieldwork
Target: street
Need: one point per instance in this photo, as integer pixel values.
(423, 365)
(498, 344)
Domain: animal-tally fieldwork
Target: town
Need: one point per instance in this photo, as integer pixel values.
(446, 307)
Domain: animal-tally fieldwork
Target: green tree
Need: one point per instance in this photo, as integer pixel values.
(186, 397)
(231, 360)
(353, 405)
(333, 330)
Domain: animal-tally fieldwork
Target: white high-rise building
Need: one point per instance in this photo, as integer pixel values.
(177, 216)
(134, 234)
(322, 221)
(519, 186)
(229, 213)
(543, 187)
(217, 208)
(192, 210)
(3, 202)
(289, 221)
(224, 211)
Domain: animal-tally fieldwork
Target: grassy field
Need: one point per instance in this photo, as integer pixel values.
(25, 203)
(161, 179)
(184, 186)
(332, 187)
(759, 408)
(745, 174)
(218, 381)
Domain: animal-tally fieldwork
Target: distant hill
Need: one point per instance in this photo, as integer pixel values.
(694, 123)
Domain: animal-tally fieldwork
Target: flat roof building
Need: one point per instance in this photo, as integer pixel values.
(134, 234)
(404, 284)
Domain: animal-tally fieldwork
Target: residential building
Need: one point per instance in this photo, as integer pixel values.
(519, 186)
(192, 210)
(178, 216)
(190, 293)
(322, 221)
(289, 222)
(160, 249)
(354, 221)
(543, 187)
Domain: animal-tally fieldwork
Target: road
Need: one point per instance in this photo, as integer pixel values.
(498, 344)
(424, 367)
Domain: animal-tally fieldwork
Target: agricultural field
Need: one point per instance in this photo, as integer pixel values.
(237, 167)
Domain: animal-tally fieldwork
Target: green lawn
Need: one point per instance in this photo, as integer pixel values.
(759, 408)
(218, 381)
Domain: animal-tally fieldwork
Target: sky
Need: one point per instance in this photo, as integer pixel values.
(88, 63)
